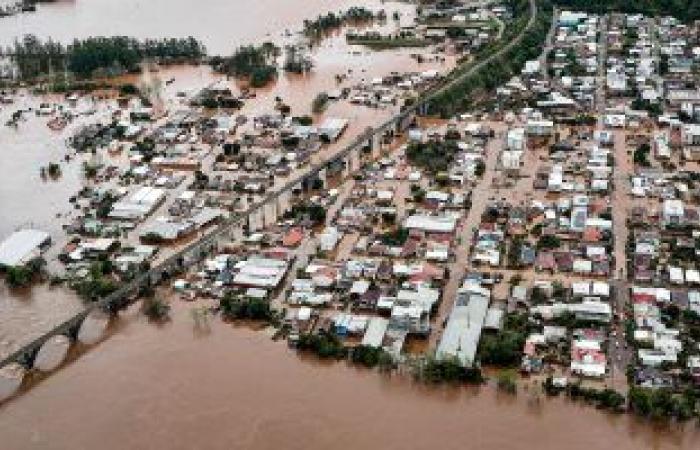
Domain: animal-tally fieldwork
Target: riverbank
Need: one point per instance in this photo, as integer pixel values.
(163, 391)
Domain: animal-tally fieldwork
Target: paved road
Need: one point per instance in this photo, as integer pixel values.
(460, 266)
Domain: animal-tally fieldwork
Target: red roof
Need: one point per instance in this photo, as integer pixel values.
(578, 354)
(643, 298)
(293, 237)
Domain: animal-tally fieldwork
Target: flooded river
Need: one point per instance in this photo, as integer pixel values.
(220, 24)
(179, 387)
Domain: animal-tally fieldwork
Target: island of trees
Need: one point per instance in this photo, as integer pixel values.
(36, 58)
(257, 64)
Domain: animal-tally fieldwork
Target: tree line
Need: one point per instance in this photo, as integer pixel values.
(685, 10)
(34, 57)
(460, 96)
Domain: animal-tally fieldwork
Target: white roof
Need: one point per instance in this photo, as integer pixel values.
(260, 272)
(463, 331)
(21, 246)
(376, 328)
(439, 224)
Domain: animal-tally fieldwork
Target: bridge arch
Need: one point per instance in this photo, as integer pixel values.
(11, 377)
(93, 327)
(52, 353)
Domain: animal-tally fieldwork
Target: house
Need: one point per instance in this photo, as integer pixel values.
(515, 139)
(293, 237)
(332, 128)
(539, 128)
(22, 246)
(673, 212)
(690, 134)
(329, 239)
(431, 224)
(587, 358)
(463, 330)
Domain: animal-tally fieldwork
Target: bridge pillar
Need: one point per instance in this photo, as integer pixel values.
(270, 213)
(355, 160)
(252, 226)
(256, 220)
(376, 143)
(347, 170)
(423, 109)
(52, 353)
(283, 202)
(235, 233)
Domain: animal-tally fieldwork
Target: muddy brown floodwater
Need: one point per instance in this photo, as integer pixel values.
(178, 387)
(220, 24)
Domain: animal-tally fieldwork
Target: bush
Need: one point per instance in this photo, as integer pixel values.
(503, 350)
(234, 308)
(304, 120)
(604, 399)
(97, 284)
(255, 63)
(507, 381)
(548, 242)
(323, 344)
(395, 238)
(662, 403)
(319, 104)
(448, 370)
(156, 309)
(432, 156)
(367, 356)
(480, 168)
(641, 155)
(128, 89)
(18, 276)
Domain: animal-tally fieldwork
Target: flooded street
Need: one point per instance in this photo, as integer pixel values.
(176, 387)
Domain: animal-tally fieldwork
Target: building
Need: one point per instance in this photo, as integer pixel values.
(463, 330)
(539, 128)
(332, 128)
(22, 246)
(431, 224)
(139, 204)
(673, 212)
(260, 272)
